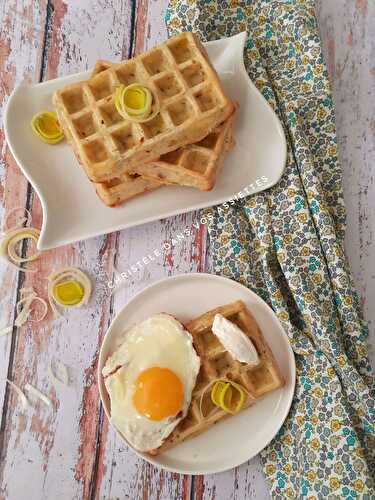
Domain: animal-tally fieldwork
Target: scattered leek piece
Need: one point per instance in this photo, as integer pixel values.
(9, 242)
(24, 220)
(6, 331)
(24, 307)
(136, 102)
(46, 126)
(36, 392)
(24, 310)
(68, 287)
(58, 373)
(68, 293)
(20, 394)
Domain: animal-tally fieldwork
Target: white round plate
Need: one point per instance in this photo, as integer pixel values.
(239, 438)
(71, 209)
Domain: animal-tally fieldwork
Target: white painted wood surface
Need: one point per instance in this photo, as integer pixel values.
(71, 453)
(347, 31)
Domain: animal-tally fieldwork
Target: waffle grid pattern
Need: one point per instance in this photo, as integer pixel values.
(216, 363)
(191, 104)
(195, 165)
(123, 188)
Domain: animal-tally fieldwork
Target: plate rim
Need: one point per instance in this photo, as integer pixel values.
(242, 37)
(291, 366)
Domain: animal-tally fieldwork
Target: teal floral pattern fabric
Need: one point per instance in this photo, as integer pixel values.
(286, 244)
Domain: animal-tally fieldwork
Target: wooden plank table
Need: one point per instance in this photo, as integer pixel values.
(71, 453)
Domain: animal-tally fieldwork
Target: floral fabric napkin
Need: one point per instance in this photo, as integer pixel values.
(286, 244)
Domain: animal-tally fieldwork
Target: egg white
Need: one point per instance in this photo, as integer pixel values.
(158, 341)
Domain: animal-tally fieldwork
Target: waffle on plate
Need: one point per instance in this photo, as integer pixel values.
(180, 76)
(123, 188)
(195, 165)
(217, 363)
(160, 378)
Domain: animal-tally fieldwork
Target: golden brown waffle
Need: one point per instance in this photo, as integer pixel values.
(118, 190)
(195, 165)
(207, 156)
(216, 363)
(121, 189)
(192, 104)
(100, 65)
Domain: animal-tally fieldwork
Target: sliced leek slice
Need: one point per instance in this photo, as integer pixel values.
(222, 394)
(24, 307)
(136, 103)
(46, 126)
(20, 221)
(21, 395)
(38, 394)
(68, 287)
(68, 293)
(9, 242)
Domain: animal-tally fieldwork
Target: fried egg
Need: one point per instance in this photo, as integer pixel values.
(150, 379)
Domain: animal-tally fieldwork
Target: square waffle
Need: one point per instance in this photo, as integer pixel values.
(216, 363)
(180, 76)
(123, 188)
(195, 165)
(170, 169)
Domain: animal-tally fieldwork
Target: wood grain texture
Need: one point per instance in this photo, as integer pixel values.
(71, 452)
(347, 31)
(21, 31)
(58, 449)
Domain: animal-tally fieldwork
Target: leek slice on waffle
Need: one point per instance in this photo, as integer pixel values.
(136, 103)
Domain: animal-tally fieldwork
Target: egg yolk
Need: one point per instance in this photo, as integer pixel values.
(158, 393)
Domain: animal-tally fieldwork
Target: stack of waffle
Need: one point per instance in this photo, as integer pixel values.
(183, 144)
